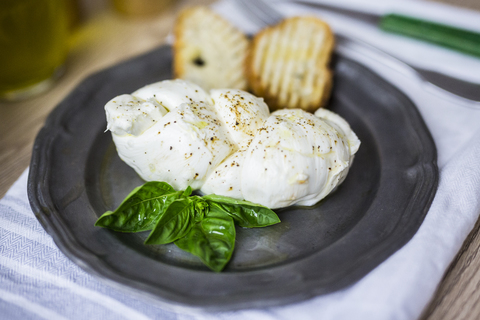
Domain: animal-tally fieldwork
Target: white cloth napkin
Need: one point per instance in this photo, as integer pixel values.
(37, 281)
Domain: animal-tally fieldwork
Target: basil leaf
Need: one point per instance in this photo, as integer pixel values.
(141, 209)
(177, 220)
(212, 239)
(245, 213)
(187, 191)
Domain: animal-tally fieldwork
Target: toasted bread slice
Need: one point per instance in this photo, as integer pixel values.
(209, 51)
(288, 64)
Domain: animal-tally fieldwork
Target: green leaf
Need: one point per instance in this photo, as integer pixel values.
(177, 220)
(141, 209)
(187, 191)
(212, 239)
(245, 213)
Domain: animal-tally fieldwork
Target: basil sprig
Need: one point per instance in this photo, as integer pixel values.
(203, 226)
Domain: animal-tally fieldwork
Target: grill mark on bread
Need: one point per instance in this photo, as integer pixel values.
(288, 64)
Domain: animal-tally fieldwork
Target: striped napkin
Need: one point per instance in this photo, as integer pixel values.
(38, 282)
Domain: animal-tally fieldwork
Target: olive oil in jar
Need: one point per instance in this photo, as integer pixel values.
(33, 44)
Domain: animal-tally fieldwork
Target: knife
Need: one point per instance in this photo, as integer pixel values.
(461, 40)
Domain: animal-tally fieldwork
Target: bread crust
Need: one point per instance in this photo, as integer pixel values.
(281, 47)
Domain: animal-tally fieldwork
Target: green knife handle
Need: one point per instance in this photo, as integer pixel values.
(447, 36)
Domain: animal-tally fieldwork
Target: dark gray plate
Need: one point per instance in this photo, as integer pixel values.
(76, 175)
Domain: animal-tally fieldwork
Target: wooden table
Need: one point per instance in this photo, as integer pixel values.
(107, 38)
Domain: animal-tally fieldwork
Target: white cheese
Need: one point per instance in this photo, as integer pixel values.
(128, 114)
(241, 112)
(227, 143)
(182, 147)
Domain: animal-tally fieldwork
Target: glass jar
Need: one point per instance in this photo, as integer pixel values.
(33, 45)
